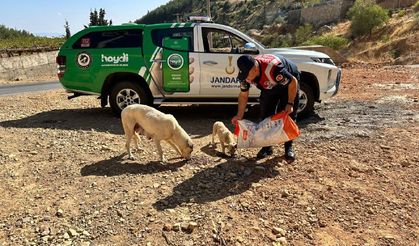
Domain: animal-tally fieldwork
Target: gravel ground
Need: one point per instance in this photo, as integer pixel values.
(65, 179)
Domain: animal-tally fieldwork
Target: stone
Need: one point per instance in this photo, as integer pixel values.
(72, 232)
(167, 227)
(119, 213)
(282, 241)
(59, 213)
(192, 225)
(285, 193)
(278, 231)
(176, 227)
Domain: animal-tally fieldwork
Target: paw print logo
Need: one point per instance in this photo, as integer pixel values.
(84, 60)
(230, 69)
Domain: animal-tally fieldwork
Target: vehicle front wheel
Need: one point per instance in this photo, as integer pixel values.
(126, 93)
(306, 105)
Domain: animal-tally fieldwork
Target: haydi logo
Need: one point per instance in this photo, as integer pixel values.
(175, 61)
(115, 59)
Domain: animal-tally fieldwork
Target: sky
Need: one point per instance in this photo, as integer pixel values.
(49, 16)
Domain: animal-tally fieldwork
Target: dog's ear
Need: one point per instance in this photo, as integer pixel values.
(190, 144)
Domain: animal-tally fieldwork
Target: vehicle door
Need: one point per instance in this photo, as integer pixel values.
(218, 62)
(97, 54)
(172, 64)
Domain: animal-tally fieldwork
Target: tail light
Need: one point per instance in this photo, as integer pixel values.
(61, 61)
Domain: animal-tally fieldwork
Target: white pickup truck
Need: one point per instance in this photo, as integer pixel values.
(177, 63)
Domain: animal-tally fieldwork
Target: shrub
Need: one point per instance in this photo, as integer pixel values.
(303, 33)
(31, 42)
(416, 6)
(365, 15)
(385, 38)
(416, 17)
(328, 40)
(277, 41)
(267, 40)
(401, 13)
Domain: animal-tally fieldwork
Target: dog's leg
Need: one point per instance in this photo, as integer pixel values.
(213, 135)
(223, 147)
(136, 140)
(128, 136)
(175, 147)
(159, 151)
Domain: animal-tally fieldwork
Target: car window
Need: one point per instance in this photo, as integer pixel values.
(110, 39)
(220, 41)
(159, 34)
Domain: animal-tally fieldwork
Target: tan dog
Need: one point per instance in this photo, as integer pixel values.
(148, 121)
(225, 136)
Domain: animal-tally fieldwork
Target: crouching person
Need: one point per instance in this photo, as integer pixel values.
(277, 78)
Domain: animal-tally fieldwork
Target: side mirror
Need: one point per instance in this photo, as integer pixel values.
(250, 48)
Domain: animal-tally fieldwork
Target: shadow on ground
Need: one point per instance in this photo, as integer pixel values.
(226, 179)
(70, 119)
(197, 120)
(119, 166)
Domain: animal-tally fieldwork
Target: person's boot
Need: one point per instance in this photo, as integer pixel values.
(289, 154)
(264, 152)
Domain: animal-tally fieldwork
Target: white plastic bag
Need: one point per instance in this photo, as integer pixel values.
(276, 129)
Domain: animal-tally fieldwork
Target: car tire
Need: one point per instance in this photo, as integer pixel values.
(126, 93)
(306, 106)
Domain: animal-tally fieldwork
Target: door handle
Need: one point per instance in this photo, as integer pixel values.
(210, 63)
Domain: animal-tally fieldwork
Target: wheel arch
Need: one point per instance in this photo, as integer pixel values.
(114, 78)
(311, 80)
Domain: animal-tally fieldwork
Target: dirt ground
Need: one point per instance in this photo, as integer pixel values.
(65, 179)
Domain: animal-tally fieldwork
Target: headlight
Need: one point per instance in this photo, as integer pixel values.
(323, 60)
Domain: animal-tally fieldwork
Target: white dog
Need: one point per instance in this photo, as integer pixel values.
(225, 136)
(148, 121)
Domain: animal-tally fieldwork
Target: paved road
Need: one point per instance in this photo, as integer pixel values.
(17, 89)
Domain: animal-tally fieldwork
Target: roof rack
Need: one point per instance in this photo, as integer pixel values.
(200, 19)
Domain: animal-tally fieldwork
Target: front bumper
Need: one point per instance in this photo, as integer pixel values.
(334, 90)
(338, 78)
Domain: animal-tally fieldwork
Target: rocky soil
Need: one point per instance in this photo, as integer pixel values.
(65, 179)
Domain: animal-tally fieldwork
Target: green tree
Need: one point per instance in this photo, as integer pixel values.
(6, 33)
(67, 30)
(98, 18)
(365, 15)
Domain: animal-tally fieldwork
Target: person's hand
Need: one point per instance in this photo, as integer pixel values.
(191, 69)
(288, 109)
(235, 119)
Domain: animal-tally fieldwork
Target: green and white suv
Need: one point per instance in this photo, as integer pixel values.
(177, 63)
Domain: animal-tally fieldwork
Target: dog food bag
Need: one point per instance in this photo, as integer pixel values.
(276, 129)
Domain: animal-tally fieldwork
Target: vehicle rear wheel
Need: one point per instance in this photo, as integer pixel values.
(306, 105)
(126, 93)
